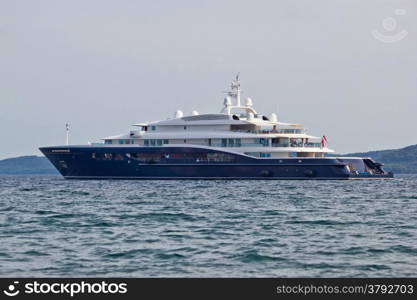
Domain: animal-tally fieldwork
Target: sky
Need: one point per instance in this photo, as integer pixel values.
(343, 68)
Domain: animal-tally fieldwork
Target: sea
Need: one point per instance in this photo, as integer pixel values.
(51, 227)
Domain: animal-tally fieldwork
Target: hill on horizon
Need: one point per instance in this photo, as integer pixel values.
(27, 165)
(403, 160)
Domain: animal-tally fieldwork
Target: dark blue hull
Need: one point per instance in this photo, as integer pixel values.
(106, 162)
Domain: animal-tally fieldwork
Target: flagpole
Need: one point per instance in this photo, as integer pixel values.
(67, 134)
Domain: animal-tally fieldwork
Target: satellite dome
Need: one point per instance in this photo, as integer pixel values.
(273, 117)
(248, 102)
(195, 113)
(178, 114)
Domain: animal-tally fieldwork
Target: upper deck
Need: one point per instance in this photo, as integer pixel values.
(238, 126)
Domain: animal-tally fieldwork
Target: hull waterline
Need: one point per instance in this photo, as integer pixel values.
(163, 163)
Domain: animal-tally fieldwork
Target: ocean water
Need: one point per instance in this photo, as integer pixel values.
(53, 227)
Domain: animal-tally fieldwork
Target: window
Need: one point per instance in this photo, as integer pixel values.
(219, 157)
(159, 142)
(146, 142)
(152, 142)
(231, 142)
(258, 154)
(146, 157)
(107, 141)
(263, 142)
(153, 127)
(185, 127)
(166, 142)
(118, 157)
(121, 142)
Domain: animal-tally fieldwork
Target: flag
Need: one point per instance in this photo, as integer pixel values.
(323, 141)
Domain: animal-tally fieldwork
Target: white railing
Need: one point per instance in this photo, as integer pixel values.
(291, 131)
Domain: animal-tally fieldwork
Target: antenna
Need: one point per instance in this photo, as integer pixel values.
(236, 89)
(67, 134)
(234, 93)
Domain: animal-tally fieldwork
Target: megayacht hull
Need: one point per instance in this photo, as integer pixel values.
(161, 163)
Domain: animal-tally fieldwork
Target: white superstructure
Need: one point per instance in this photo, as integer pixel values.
(237, 128)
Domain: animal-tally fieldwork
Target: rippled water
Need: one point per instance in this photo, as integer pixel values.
(53, 227)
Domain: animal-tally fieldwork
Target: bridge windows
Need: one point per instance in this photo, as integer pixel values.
(119, 141)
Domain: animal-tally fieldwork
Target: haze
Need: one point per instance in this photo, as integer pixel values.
(104, 65)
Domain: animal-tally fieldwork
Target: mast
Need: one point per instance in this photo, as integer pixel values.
(236, 90)
(234, 93)
(67, 134)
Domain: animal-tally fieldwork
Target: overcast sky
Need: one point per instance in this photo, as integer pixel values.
(104, 65)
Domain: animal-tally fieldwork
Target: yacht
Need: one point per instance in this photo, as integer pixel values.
(236, 143)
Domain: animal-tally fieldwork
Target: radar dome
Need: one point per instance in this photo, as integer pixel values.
(194, 113)
(273, 118)
(248, 102)
(178, 114)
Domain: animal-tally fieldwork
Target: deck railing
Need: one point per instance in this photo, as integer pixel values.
(283, 145)
(291, 131)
